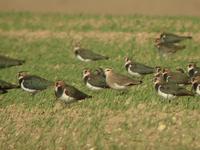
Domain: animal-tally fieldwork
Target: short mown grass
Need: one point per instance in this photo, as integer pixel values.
(138, 119)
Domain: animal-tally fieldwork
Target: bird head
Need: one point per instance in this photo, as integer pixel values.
(191, 66)
(22, 74)
(107, 71)
(86, 73)
(157, 80)
(127, 62)
(158, 69)
(77, 46)
(59, 83)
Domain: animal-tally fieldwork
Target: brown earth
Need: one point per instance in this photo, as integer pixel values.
(122, 7)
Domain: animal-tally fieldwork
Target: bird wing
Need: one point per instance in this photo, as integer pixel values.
(174, 90)
(98, 80)
(36, 82)
(124, 80)
(141, 68)
(74, 92)
(170, 47)
(7, 85)
(88, 54)
(178, 77)
(172, 38)
(8, 62)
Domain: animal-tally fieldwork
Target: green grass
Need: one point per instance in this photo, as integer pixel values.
(108, 120)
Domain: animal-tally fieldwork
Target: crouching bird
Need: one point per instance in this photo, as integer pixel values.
(68, 93)
(137, 69)
(9, 62)
(119, 81)
(172, 38)
(170, 91)
(94, 81)
(5, 86)
(86, 54)
(33, 83)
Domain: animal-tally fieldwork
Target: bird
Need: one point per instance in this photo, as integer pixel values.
(119, 81)
(172, 38)
(170, 91)
(33, 83)
(9, 62)
(94, 81)
(137, 69)
(176, 77)
(168, 48)
(87, 55)
(5, 86)
(68, 93)
(193, 70)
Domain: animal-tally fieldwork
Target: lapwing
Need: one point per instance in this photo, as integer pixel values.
(5, 86)
(196, 85)
(168, 48)
(170, 91)
(87, 55)
(94, 81)
(9, 62)
(176, 77)
(193, 70)
(68, 93)
(172, 38)
(33, 83)
(119, 81)
(137, 69)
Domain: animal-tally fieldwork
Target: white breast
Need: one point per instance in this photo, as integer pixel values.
(66, 98)
(117, 86)
(167, 96)
(82, 59)
(26, 89)
(92, 87)
(133, 73)
(198, 89)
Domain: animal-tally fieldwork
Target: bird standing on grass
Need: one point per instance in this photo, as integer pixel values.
(172, 38)
(176, 77)
(94, 81)
(5, 86)
(86, 54)
(68, 93)
(33, 83)
(168, 48)
(137, 69)
(170, 91)
(9, 62)
(119, 81)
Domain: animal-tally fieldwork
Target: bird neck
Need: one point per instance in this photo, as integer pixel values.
(20, 81)
(127, 66)
(85, 79)
(191, 72)
(156, 86)
(59, 91)
(194, 86)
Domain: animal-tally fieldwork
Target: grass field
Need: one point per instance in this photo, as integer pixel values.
(139, 119)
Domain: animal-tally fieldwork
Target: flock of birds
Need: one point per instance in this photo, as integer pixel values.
(168, 84)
